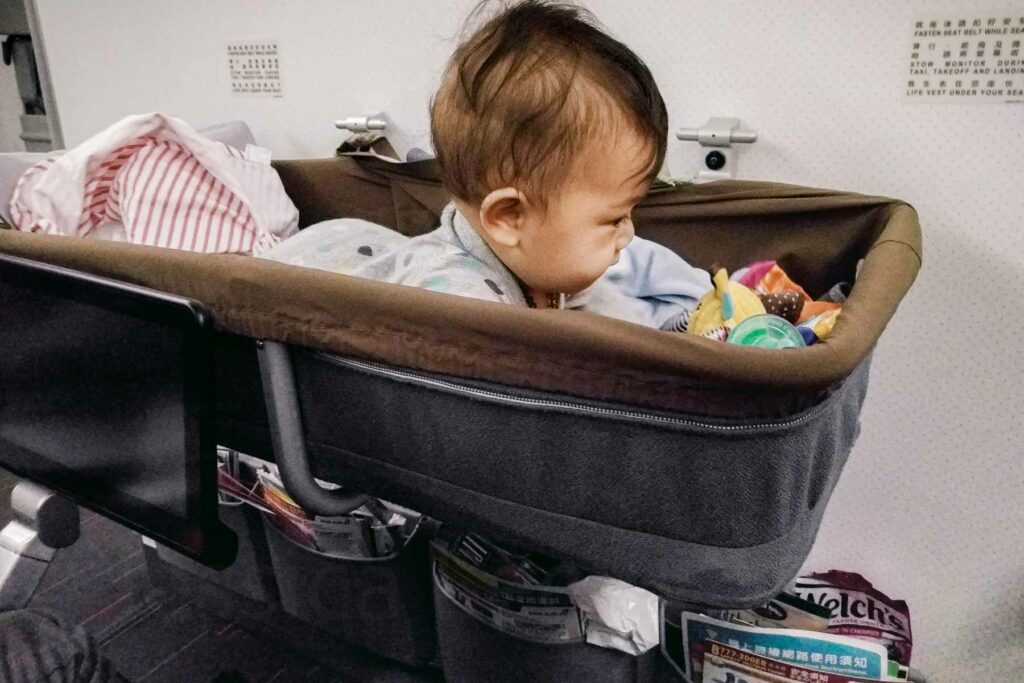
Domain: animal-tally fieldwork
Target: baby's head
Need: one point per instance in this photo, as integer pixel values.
(548, 132)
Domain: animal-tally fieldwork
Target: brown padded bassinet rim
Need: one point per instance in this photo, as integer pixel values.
(568, 352)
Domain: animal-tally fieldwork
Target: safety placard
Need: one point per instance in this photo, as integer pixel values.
(255, 68)
(968, 57)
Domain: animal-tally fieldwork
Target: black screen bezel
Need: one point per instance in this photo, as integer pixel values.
(199, 533)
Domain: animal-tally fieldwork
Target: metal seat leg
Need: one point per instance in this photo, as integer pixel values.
(43, 523)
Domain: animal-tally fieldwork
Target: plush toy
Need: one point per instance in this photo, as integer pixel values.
(786, 305)
(818, 327)
(723, 308)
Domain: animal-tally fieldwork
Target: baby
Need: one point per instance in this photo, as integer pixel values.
(548, 132)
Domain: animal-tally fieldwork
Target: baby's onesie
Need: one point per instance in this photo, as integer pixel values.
(650, 285)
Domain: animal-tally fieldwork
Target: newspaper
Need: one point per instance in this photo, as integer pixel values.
(721, 661)
(489, 557)
(376, 530)
(239, 492)
(821, 652)
(539, 614)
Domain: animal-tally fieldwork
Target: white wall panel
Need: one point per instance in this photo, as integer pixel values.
(931, 507)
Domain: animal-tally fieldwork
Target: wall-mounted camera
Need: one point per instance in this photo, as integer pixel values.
(721, 133)
(715, 160)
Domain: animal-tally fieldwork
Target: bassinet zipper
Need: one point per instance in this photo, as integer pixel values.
(380, 369)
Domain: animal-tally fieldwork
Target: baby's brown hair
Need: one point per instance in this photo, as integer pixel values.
(525, 94)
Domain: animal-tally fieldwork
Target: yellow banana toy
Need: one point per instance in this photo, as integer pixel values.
(721, 309)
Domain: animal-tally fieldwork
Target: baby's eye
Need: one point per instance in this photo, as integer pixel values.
(620, 221)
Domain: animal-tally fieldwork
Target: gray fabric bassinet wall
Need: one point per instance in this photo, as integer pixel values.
(697, 469)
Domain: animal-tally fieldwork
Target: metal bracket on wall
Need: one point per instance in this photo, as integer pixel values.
(367, 137)
(363, 124)
(721, 134)
(378, 136)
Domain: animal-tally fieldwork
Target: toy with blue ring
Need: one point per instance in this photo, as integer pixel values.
(766, 331)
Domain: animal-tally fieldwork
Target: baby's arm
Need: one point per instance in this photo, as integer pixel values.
(650, 285)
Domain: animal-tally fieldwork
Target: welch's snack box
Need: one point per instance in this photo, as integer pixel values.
(860, 610)
(783, 611)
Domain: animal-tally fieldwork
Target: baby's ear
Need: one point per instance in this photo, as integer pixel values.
(502, 215)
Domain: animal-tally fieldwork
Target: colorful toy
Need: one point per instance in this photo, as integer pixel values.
(818, 327)
(766, 332)
(721, 309)
(767, 278)
(786, 305)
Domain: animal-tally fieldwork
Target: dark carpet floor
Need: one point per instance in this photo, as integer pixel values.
(149, 634)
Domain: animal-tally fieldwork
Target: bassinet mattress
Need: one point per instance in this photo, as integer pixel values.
(697, 469)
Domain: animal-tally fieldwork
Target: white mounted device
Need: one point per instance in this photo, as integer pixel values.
(721, 134)
(363, 124)
(404, 144)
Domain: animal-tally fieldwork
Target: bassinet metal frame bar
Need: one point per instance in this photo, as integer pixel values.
(285, 417)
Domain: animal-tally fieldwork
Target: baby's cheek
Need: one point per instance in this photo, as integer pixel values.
(608, 243)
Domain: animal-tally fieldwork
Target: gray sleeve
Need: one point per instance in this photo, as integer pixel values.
(361, 249)
(448, 272)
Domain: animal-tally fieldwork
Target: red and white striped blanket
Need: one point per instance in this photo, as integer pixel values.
(153, 180)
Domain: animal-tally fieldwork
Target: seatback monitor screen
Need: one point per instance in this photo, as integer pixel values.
(103, 387)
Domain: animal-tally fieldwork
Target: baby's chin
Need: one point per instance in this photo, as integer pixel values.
(581, 283)
(578, 288)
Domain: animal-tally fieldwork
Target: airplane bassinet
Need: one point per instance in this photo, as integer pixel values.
(697, 469)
